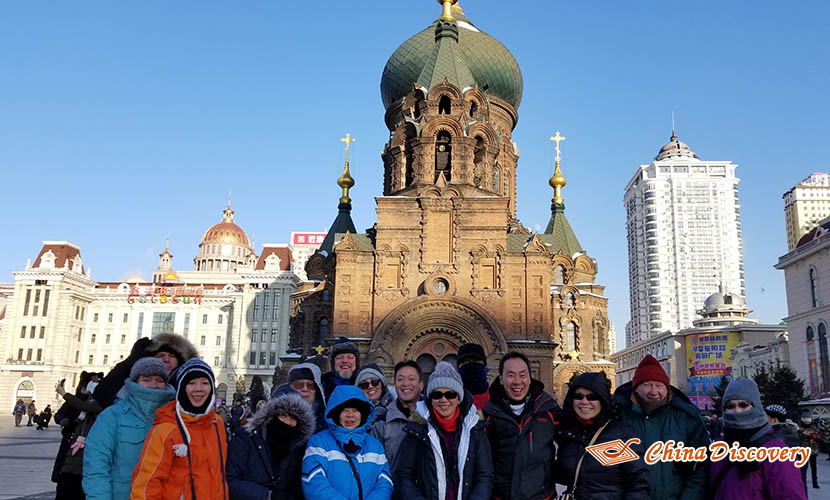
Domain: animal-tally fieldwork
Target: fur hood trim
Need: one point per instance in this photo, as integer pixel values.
(285, 404)
(174, 341)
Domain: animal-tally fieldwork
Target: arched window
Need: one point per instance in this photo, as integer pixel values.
(323, 328)
(559, 275)
(478, 161)
(444, 105)
(570, 329)
(813, 298)
(496, 180)
(427, 363)
(570, 300)
(443, 155)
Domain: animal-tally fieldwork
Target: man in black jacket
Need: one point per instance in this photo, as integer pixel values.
(344, 359)
(521, 420)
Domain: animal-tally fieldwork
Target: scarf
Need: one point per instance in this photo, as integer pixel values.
(447, 425)
(517, 409)
(474, 377)
(650, 407)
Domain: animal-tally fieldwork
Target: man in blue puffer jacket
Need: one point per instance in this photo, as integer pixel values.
(114, 444)
(343, 462)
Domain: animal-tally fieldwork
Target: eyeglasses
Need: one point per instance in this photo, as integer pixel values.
(366, 383)
(437, 395)
(302, 384)
(742, 405)
(578, 396)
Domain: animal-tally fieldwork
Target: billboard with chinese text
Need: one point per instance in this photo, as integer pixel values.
(707, 360)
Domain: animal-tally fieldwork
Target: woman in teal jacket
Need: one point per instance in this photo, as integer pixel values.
(114, 444)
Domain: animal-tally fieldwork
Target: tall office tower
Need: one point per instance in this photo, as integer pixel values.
(805, 205)
(684, 238)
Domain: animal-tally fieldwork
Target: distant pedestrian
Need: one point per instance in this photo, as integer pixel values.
(31, 411)
(237, 413)
(44, 418)
(18, 412)
(810, 439)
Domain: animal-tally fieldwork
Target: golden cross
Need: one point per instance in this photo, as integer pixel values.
(348, 139)
(320, 348)
(557, 139)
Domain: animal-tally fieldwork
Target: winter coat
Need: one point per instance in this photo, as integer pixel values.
(107, 389)
(420, 470)
(772, 481)
(327, 467)
(389, 431)
(522, 447)
(237, 414)
(329, 385)
(31, 409)
(113, 446)
(679, 420)
(786, 433)
(810, 439)
(19, 408)
(65, 417)
(164, 470)
(252, 473)
(319, 406)
(626, 481)
(73, 464)
(222, 412)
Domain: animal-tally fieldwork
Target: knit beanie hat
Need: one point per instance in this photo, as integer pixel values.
(193, 369)
(471, 351)
(650, 369)
(148, 366)
(445, 375)
(746, 389)
(344, 345)
(776, 411)
(372, 370)
(300, 374)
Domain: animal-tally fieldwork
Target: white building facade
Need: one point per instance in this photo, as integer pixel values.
(303, 245)
(805, 205)
(58, 321)
(684, 238)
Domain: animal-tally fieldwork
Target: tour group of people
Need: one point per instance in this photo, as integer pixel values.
(149, 430)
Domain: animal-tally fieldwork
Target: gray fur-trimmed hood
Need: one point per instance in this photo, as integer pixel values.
(285, 402)
(176, 342)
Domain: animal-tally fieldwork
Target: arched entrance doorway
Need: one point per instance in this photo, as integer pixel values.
(25, 391)
(430, 329)
(222, 391)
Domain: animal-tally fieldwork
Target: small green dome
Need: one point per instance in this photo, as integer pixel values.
(493, 67)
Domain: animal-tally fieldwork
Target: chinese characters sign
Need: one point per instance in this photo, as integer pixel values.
(311, 239)
(164, 295)
(707, 360)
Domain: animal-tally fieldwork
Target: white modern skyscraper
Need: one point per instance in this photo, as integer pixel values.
(684, 238)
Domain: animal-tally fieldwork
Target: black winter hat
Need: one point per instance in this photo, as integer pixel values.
(473, 351)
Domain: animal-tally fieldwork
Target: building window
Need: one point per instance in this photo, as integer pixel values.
(107, 340)
(267, 305)
(219, 319)
(276, 313)
(140, 324)
(77, 355)
(123, 339)
(42, 332)
(262, 359)
(20, 354)
(163, 322)
(570, 300)
(32, 332)
(216, 361)
(126, 318)
(571, 331)
(202, 340)
(272, 359)
(83, 313)
(45, 302)
(109, 318)
(253, 336)
(40, 354)
(22, 332)
(91, 359)
(106, 359)
(824, 356)
(92, 338)
(95, 318)
(204, 319)
(813, 298)
(252, 358)
(26, 303)
(28, 355)
(186, 324)
(218, 340)
(80, 334)
(273, 335)
(559, 275)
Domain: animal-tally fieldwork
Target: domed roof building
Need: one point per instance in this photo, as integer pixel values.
(224, 246)
(675, 150)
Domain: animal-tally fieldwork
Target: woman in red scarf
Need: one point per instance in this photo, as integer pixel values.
(444, 453)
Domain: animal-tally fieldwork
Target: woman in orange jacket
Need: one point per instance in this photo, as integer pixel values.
(185, 450)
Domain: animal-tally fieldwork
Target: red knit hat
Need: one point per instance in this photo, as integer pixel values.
(650, 369)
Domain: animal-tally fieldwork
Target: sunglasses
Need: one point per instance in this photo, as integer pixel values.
(302, 384)
(437, 395)
(366, 383)
(742, 405)
(578, 396)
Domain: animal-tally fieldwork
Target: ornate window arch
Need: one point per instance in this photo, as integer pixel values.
(571, 336)
(813, 276)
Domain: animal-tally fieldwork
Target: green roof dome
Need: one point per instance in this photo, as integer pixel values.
(492, 66)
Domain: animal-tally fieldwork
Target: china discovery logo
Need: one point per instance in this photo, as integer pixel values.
(614, 452)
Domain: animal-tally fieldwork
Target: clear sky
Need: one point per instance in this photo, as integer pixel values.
(121, 122)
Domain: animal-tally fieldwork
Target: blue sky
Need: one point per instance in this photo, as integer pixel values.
(125, 121)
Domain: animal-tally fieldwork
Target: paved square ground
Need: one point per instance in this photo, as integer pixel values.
(27, 456)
